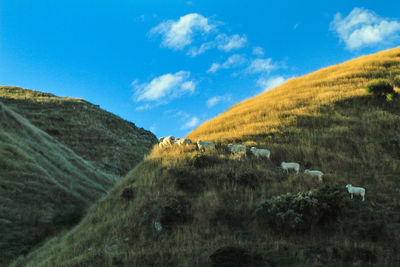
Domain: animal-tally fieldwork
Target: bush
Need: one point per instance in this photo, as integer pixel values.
(379, 87)
(67, 218)
(174, 211)
(234, 257)
(300, 212)
(202, 161)
(128, 194)
(187, 180)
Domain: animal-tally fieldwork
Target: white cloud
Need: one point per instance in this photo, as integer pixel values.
(364, 27)
(164, 88)
(260, 65)
(193, 51)
(272, 82)
(258, 51)
(227, 43)
(217, 99)
(178, 34)
(233, 61)
(191, 123)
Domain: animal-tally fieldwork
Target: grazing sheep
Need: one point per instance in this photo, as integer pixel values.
(184, 141)
(319, 174)
(167, 141)
(160, 142)
(356, 191)
(258, 152)
(203, 145)
(236, 149)
(290, 165)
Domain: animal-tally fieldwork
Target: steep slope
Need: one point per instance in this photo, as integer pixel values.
(184, 207)
(44, 186)
(109, 142)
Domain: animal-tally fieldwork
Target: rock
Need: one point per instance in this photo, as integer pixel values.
(111, 246)
(158, 226)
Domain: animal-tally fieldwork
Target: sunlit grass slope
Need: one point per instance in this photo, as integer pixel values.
(43, 185)
(109, 142)
(218, 209)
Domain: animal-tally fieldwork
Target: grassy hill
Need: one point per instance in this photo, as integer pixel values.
(44, 186)
(104, 139)
(217, 209)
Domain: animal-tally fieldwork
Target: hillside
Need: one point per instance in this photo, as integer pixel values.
(107, 141)
(44, 186)
(184, 207)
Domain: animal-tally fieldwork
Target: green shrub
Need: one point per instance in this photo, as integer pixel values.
(128, 194)
(187, 180)
(174, 211)
(234, 257)
(203, 161)
(67, 218)
(300, 212)
(379, 87)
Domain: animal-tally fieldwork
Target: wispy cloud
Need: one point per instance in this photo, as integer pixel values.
(227, 43)
(178, 34)
(364, 27)
(258, 51)
(163, 89)
(261, 65)
(194, 51)
(191, 123)
(233, 61)
(218, 99)
(271, 82)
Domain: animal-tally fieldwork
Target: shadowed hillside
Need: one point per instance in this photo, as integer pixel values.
(109, 142)
(185, 207)
(44, 186)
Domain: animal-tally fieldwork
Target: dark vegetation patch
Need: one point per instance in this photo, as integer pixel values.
(230, 256)
(302, 211)
(175, 210)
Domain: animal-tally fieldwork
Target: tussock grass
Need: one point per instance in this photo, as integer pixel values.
(210, 200)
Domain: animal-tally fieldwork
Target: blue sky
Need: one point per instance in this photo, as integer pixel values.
(168, 66)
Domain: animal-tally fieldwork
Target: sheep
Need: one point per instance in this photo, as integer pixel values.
(203, 145)
(356, 191)
(319, 174)
(167, 141)
(184, 141)
(236, 149)
(290, 165)
(160, 142)
(258, 152)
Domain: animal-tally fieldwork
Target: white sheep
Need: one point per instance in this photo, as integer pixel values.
(290, 165)
(319, 174)
(258, 152)
(356, 191)
(203, 145)
(167, 141)
(184, 141)
(236, 148)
